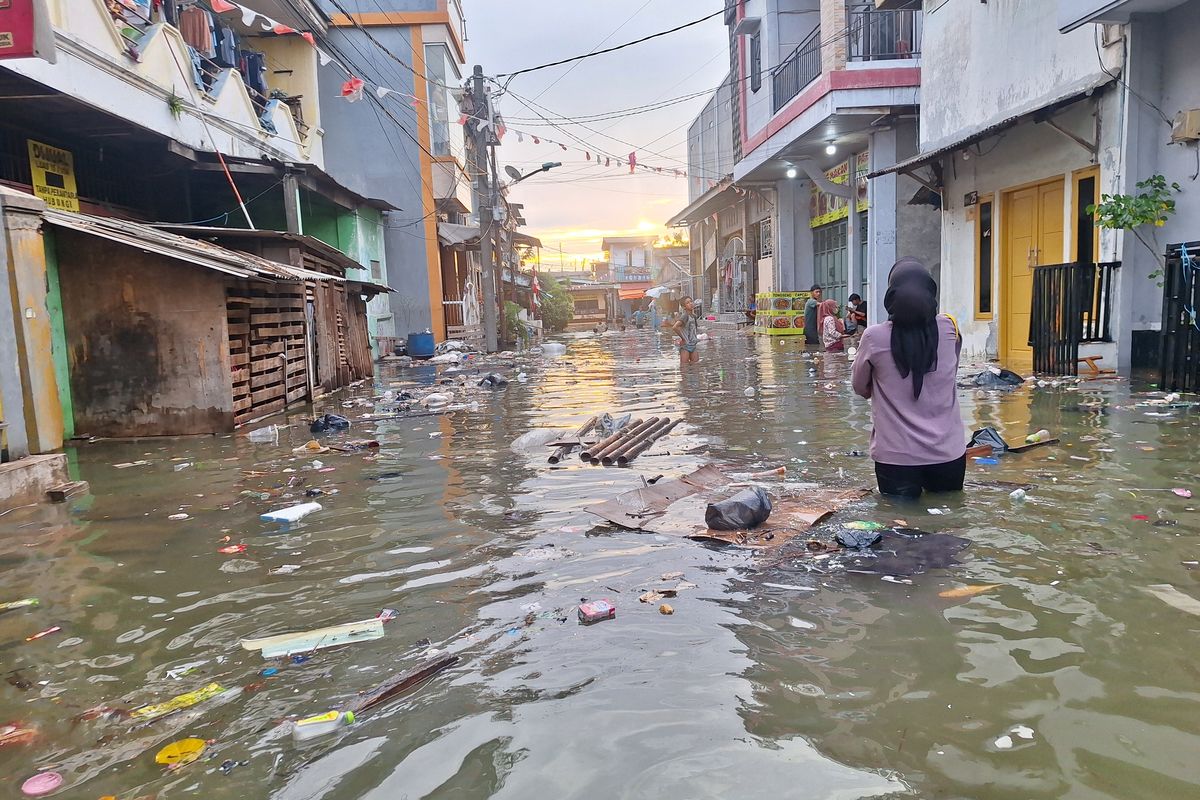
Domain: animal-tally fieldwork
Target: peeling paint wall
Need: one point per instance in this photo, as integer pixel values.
(986, 62)
(147, 341)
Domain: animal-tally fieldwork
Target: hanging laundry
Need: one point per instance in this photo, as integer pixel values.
(632, 162)
(254, 71)
(227, 43)
(195, 25)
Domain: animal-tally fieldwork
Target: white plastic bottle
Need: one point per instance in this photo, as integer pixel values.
(321, 725)
(291, 513)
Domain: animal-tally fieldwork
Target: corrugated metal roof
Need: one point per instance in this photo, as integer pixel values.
(326, 251)
(192, 251)
(922, 159)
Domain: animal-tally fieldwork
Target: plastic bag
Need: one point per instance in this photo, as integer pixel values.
(329, 422)
(856, 539)
(609, 425)
(989, 436)
(997, 378)
(746, 509)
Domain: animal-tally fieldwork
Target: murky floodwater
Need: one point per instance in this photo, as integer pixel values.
(770, 680)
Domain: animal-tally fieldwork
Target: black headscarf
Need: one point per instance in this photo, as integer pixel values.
(911, 303)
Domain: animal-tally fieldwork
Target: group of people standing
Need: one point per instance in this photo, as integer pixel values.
(907, 366)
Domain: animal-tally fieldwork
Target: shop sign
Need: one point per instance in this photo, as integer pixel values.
(25, 30)
(826, 208)
(53, 172)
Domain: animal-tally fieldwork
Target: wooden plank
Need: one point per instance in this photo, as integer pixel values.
(283, 331)
(299, 393)
(241, 404)
(263, 395)
(266, 379)
(239, 329)
(239, 359)
(268, 408)
(271, 348)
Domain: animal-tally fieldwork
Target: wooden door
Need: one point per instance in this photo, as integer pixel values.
(1033, 235)
(1020, 254)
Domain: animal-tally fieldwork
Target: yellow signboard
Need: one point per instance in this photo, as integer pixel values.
(53, 176)
(826, 208)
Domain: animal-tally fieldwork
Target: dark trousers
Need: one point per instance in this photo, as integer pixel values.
(906, 481)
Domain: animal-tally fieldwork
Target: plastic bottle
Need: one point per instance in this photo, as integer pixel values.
(292, 513)
(1040, 436)
(267, 435)
(320, 725)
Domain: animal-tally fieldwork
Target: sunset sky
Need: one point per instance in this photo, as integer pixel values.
(578, 204)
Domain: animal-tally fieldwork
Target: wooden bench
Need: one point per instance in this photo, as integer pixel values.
(1093, 368)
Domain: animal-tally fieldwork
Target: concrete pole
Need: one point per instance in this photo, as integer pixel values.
(881, 223)
(24, 267)
(483, 206)
(291, 204)
(853, 268)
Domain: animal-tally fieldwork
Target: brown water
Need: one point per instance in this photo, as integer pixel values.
(769, 679)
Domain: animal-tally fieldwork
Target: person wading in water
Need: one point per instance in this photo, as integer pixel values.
(907, 368)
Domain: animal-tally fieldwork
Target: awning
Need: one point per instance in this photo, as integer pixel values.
(452, 234)
(631, 294)
(707, 204)
(922, 159)
(317, 247)
(150, 239)
(526, 239)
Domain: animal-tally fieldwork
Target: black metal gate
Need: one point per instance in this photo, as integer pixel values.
(1179, 364)
(1072, 304)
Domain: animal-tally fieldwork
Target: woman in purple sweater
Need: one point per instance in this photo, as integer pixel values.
(907, 368)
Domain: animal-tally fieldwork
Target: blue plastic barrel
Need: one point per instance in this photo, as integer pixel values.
(420, 345)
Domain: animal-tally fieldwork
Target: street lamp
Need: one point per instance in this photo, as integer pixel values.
(517, 177)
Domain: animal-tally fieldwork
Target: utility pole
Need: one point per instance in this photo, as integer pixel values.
(484, 205)
(498, 246)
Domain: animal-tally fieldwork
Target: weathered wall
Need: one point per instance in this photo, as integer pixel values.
(1024, 154)
(147, 341)
(918, 227)
(368, 153)
(985, 62)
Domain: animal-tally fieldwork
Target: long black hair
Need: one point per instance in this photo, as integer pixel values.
(911, 303)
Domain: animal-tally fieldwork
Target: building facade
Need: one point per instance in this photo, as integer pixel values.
(819, 92)
(202, 117)
(405, 147)
(1018, 155)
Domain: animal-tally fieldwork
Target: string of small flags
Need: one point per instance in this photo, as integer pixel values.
(354, 86)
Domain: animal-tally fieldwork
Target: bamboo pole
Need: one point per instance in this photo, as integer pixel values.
(627, 458)
(610, 458)
(586, 455)
(562, 452)
(632, 431)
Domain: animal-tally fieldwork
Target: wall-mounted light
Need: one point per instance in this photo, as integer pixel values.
(791, 172)
(830, 149)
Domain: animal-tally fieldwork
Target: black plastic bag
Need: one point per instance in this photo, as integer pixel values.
(857, 540)
(989, 436)
(494, 381)
(329, 422)
(746, 509)
(998, 379)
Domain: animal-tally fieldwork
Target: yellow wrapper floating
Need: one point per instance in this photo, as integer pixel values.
(147, 713)
(184, 751)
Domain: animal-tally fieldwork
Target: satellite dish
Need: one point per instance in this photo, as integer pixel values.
(512, 172)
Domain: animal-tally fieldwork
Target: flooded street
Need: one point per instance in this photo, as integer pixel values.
(771, 679)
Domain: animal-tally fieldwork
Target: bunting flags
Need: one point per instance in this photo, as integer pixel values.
(352, 90)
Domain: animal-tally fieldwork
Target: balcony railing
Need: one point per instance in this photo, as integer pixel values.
(883, 35)
(798, 70)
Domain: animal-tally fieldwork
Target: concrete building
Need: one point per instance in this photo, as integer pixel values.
(819, 91)
(1018, 154)
(155, 113)
(629, 261)
(406, 148)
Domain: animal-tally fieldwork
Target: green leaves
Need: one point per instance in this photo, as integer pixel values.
(557, 309)
(1152, 205)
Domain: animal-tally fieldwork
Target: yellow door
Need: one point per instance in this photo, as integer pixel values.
(1033, 235)
(1020, 254)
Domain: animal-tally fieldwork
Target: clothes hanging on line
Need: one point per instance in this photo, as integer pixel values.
(254, 71)
(197, 28)
(227, 47)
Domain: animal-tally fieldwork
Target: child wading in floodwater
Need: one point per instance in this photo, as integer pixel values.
(687, 328)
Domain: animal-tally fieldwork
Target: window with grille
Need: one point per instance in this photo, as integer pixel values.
(766, 239)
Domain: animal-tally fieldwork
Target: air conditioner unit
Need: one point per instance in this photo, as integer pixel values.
(1186, 127)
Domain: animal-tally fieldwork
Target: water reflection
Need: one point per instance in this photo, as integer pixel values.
(769, 679)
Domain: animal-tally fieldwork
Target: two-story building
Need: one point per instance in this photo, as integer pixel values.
(405, 147)
(1019, 154)
(819, 91)
(201, 117)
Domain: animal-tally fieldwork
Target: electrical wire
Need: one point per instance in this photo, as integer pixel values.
(612, 33)
(527, 70)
